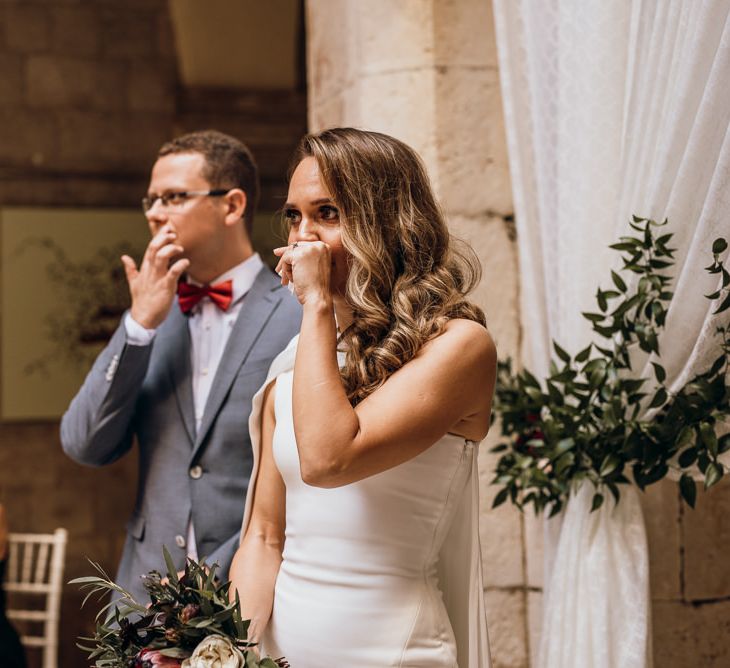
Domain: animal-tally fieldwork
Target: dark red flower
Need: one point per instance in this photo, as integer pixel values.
(149, 658)
(189, 612)
(172, 636)
(523, 439)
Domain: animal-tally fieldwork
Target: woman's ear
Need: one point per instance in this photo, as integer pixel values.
(236, 201)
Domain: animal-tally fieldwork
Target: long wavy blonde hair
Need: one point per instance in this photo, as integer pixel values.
(407, 276)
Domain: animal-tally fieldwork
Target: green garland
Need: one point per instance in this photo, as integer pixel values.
(588, 420)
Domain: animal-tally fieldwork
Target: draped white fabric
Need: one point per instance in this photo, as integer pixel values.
(612, 109)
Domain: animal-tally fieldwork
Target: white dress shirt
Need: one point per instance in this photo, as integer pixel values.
(210, 328)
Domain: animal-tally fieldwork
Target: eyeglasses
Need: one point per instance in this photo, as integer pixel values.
(178, 199)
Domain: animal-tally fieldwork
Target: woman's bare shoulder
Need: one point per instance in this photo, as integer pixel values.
(465, 338)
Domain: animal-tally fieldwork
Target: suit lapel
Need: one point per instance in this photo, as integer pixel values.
(174, 339)
(258, 304)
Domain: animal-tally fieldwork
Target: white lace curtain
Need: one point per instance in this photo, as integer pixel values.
(611, 109)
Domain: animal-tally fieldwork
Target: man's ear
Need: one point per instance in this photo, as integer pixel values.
(236, 201)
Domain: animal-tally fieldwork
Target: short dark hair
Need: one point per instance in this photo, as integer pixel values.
(228, 164)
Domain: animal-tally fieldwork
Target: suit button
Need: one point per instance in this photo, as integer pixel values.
(196, 472)
(180, 541)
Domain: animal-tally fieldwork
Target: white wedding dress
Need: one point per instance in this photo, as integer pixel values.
(365, 565)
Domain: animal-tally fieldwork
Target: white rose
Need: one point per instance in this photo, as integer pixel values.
(215, 652)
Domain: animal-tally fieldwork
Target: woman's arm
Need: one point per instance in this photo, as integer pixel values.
(448, 386)
(257, 560)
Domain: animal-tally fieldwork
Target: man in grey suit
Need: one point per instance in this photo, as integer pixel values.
(180, 376)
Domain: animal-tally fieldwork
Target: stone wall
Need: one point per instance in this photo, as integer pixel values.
(426, 72)
(689, 574)
(88, 93)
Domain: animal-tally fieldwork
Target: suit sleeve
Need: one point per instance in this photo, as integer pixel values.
(97, 428)
(223, 556)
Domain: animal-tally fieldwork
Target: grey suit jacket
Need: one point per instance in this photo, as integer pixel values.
(146, 391)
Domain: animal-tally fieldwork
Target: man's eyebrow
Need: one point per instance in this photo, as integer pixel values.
(167, 191)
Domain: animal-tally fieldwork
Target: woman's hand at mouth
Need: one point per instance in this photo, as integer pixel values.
(308, 266)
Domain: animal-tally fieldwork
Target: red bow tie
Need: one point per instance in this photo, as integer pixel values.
(221, 294)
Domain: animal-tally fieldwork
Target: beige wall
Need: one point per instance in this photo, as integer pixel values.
(689, 575)
(426, 72)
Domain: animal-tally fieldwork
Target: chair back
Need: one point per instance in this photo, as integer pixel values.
(35, 569)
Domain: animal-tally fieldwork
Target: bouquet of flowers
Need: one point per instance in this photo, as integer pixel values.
(190, 622)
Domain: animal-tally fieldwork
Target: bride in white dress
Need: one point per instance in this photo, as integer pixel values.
(360, 541)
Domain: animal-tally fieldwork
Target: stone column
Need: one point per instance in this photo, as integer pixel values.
(425, 71)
